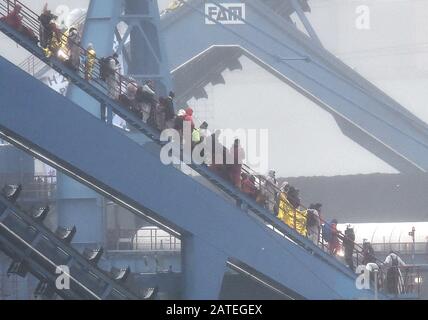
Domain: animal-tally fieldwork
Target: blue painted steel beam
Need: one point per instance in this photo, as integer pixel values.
(144, 58)
(131, 119)
(77, 204)
(225, 186)
(371, 117)
(42, 123)
(297, 6)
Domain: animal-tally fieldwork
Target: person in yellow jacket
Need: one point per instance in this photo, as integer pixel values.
(173, 5)
(291, 216)
(89, 61)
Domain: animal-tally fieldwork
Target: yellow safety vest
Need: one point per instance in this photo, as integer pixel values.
(196, 135)
(91, 55)
(294, 218)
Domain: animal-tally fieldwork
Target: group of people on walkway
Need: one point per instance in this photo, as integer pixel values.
(159, 112)
(15, 20)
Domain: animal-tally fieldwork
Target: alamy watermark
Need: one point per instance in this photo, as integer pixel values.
(364, 274)
(249, 146)
(62, 282)
(362, 22)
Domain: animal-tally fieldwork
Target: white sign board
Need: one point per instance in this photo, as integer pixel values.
(225, 13)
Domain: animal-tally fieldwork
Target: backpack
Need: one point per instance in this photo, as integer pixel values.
(394, 261)
(392, 276)
(327, 235)
(293, 197)
(311, 219)
(105, 69)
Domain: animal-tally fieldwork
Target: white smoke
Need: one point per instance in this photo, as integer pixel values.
(74, 16)
(69, 17)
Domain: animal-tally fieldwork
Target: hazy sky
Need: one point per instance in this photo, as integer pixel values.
(392, 53)
(304, 139)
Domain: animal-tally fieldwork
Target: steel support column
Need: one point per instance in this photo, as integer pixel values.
(203, 269)
(77, 204)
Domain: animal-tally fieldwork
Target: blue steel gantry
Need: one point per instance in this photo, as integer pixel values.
(100, 156)
(205, 225)
(109, 25)
(264, 31)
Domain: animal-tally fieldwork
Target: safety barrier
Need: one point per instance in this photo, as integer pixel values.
(96, 87)
(33, 65)
(146, 239)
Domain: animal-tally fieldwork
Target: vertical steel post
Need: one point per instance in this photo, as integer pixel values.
(103, 21)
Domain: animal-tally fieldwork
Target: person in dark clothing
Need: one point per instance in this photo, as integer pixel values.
(368, 253)
(218, 155)
(50, 35)
(394, 279)
(169, 110)
(45, 31)
(146, 99)
(160, 114)
(294, 197)
(349, 244)
(235, 168)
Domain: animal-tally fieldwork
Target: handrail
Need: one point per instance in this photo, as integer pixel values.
(123, 82)
(32, 61)
(143, 239)
(263, 182)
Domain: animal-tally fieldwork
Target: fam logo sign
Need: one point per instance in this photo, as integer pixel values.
(225, 13)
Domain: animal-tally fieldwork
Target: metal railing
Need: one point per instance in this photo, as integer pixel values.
(31, 21)
(144, 239)
(36, 187)
(33, 65)
(407, 284)
(402, 247)
(272, 191)
(412, 280)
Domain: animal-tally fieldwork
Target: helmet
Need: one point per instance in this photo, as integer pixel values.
(284, 186)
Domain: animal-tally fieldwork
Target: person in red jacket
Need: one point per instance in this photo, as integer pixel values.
(14, 19)
(249, 186)
(235, 169)
(189, 117)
